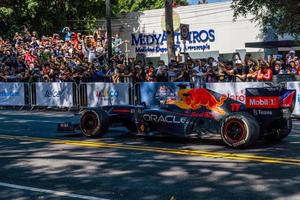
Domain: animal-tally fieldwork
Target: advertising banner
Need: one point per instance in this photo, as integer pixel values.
(102, 94)
(296, 86)
(152, 93)
(235, 91)
(12, 94)
(54, 94)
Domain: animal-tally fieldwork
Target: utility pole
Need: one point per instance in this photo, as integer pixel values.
(108, 28)
(170, 29)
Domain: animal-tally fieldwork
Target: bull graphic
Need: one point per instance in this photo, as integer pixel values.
(197, 97)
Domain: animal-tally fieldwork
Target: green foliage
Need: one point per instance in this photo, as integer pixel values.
(127, 6)
(281, 15)
(49, 16)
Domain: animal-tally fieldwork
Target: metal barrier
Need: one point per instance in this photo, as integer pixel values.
(14, 95)
(70, 95)
(99, 94)
(56, 94)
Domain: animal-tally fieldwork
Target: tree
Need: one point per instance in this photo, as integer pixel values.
(127, 6)
(283, 16)
(49, 16)
(170, 29)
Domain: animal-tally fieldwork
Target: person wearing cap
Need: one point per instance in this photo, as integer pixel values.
(265, 73)
(240, 71)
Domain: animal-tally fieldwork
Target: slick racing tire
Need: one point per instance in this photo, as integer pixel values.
(239, 130)
(282, 129)
(94, 123)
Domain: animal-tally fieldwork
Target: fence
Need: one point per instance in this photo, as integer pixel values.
(70, 95)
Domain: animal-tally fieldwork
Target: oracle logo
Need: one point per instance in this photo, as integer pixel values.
(262, 102)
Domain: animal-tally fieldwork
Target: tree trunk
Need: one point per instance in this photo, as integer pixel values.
(108, 28)
(170, 29)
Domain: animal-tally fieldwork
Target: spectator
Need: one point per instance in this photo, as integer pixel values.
(161, 73)
(199, 72)
(240, 71)
(227, 71)
(67, 32)
(265, 73)
(184, 74)
(75, 57)
(292, 70)
(150, 73)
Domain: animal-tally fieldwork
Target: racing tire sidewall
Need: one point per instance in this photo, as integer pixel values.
(249, 130)
(99, 126)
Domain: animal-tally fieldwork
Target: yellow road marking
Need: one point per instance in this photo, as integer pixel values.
(198, 153)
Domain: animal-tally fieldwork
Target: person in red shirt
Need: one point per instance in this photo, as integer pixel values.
(298, 66)
(265, 73)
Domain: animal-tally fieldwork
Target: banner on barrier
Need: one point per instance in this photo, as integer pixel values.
(102, 94)
(154, 92)
(235, 91)
(12, 94)
(54, 94)
(296, 86)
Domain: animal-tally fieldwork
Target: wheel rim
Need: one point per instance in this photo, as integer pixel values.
(234, 131)
(89, 122)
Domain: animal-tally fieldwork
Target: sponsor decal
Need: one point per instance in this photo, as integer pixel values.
(287, 98)
(204, 115)
(262, 112)
(108, 93)
(241, 96)
(262, 102)
(9, 94)
(239, 143)
(55, 93)
(235, 107)
(198, 97)
(169, 119)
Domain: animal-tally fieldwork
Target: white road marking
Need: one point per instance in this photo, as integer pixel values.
(52, 192)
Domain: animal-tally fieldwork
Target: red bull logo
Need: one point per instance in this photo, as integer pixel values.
(198, 97)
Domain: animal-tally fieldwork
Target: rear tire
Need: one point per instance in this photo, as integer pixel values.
(284, 129)
(94, 123)
(240, 130)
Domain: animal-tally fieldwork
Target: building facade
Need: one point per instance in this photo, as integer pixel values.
(212, 33)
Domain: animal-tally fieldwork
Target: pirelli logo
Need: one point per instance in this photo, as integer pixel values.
(262, 102)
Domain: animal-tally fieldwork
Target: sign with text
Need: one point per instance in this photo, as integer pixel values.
(12, 94)
(102, 94)
(54, 94)
(296, 86)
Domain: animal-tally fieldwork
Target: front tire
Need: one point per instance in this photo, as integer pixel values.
(94, 123)
(240, 130)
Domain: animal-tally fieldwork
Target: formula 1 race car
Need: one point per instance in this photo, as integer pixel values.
(266, 114)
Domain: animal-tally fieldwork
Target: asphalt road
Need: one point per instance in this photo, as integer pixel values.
(38, 163)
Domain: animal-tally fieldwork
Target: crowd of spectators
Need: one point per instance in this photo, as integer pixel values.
(70, 56)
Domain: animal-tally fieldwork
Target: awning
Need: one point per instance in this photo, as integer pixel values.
(273, 44)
